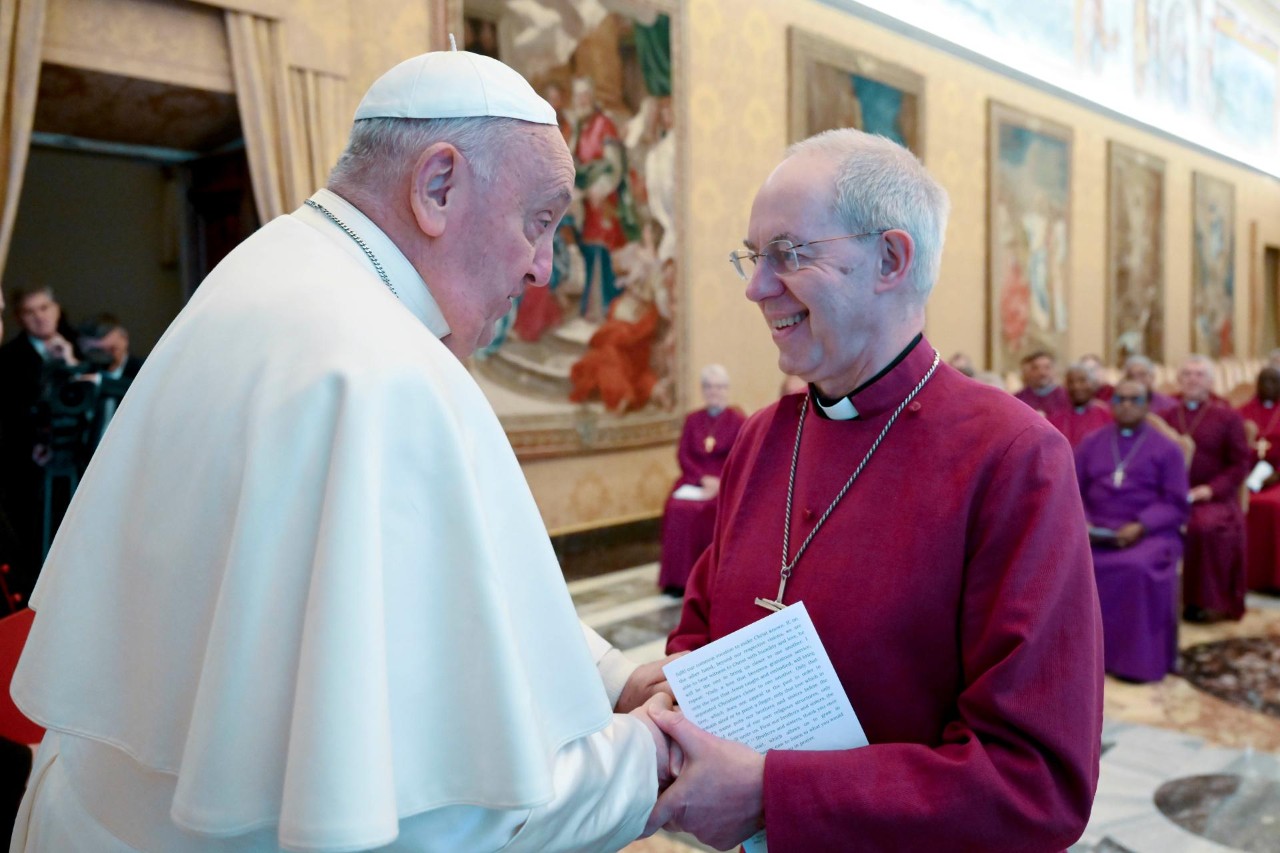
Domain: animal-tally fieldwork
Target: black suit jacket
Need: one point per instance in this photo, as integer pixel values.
(21, 369)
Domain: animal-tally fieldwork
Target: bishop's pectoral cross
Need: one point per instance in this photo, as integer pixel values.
(709, 443)
(1118, 477)
(776, 603)
(1264, 447)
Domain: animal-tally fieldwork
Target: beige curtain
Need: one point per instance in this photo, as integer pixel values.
(292, 118)
(321, 112)
(21, 37)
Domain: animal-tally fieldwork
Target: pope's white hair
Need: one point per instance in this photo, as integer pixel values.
(380, 149)
(713, 372)
(879, 184)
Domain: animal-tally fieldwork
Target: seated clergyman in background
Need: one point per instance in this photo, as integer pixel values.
(690, 514)
(1133, 481)
(1262, 535)
(955, 598)
(1213, 576)
(961, 362)
(303, 598)
(1086, 413)
(1093, 364)
(1143, 369)
(1041, 390)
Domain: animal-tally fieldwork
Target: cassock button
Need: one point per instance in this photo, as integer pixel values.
(808, 514)
(915, 406)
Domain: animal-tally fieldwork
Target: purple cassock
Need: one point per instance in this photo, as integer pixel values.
(1079, 422)
(687, 525)
(1213, 576)
(1050, 403)
(1126, 476)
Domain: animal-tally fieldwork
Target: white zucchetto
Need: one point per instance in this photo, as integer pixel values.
(454, 84)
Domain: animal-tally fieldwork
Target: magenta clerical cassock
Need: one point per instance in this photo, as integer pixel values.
(687, 525)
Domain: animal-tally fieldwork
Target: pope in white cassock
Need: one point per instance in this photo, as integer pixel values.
(303, 598)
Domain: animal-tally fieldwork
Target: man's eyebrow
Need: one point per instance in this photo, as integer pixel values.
(785, 235)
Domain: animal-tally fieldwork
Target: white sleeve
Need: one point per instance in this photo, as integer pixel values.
(605, 786)
(613, 665)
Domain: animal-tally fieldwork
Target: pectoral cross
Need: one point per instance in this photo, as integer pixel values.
(774, 604)
(1264, 447)
(1118, 477)
(709, 443)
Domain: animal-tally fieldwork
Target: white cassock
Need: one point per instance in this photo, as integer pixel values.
(303, 598)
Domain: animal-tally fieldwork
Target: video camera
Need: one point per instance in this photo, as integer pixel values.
(72, 398)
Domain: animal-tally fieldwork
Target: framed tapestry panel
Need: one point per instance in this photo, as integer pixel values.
(1029, 234)
(1135, 254)
(837, 86)
(591, 361)
(1213, 266)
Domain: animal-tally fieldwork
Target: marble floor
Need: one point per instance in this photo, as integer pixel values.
(1183, 771)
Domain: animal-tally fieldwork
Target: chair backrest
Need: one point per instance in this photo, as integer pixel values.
(1240, 394)
(1251, 439)
(13, 636)
(1186, 442)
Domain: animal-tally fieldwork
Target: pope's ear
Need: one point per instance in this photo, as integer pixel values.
(434, 186)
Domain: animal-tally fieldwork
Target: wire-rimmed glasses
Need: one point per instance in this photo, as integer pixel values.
(781, 254)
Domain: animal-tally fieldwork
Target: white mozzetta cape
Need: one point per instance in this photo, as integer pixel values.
(304, 573)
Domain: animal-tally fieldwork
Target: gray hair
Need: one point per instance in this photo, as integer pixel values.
(1089, 369)
(380, 149)
(1198, 358)
(880, 184)
(712, 372)
(990, 377)
(1139, 360)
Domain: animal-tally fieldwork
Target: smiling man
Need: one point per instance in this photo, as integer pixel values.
(930, 524)
(303, 598)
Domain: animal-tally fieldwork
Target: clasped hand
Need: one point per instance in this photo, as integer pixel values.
(709, 787)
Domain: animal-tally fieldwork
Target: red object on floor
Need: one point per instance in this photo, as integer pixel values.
(13, 636)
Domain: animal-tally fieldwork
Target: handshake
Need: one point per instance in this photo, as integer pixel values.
(709, 787)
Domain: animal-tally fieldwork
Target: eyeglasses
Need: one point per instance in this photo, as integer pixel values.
(1137, 399)
(781, 254)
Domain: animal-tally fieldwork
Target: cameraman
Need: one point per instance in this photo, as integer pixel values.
(105, 345)
(42, 345)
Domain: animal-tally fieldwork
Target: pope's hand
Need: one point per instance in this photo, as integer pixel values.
(658, 703)
(646, 681)
(718, 795)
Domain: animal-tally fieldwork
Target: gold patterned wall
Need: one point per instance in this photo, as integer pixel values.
(734, 90)
(737, 67)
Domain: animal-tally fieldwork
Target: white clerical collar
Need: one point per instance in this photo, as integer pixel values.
(1267, 404)
(1126, 431)
(409, 286)
(841, 410)
(1193, 404)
